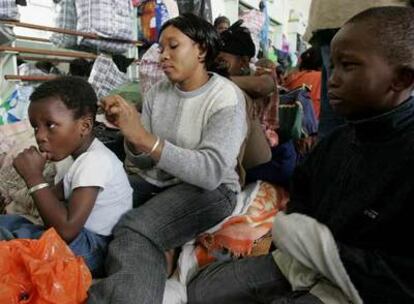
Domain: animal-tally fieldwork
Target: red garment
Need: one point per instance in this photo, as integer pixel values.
(310, 78)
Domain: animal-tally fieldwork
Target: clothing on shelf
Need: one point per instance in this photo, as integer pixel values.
(65, 18)
(201, 8)
(153, 14)
(8, 10)
(105, 76)
(254, 21)
(150, 71)
(111, 19)
(122, 62)
(21, 2)
(6, 35)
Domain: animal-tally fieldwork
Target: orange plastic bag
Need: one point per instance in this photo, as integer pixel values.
(43, 271)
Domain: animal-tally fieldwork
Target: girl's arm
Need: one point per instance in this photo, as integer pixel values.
(68, 221)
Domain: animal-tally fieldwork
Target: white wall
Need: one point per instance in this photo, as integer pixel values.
(39, 12)
(228, 8)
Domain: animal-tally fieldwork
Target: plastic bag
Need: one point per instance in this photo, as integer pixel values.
(43, 271)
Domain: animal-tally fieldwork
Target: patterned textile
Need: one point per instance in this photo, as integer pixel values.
(15, 104)
(150, 71)
(105, 76)
(108, 18)
(269, 114)
(65, 17)
(254, 21)
(8, 10)
(313, 80)
(148, 21)
(239, 233)
(6, 35)
(13, 139)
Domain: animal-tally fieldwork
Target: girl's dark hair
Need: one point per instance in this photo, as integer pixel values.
(310, 60)
(76, 93)
(198, 30)
(237, 40)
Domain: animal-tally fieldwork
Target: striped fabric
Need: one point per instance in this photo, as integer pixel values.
(105, 76)
(107, 18)
(8, 10)
(150, 71)
(254, 21)
(65, 17)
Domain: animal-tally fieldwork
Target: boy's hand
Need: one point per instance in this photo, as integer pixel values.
(123, 115)
(30, 164)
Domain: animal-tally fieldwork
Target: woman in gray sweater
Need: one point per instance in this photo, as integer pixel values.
(184, 147)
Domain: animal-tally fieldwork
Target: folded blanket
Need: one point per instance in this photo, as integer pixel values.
(250, 221)
(238, 233)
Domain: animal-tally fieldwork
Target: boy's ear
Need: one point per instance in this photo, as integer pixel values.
(404, 78)
(87, 123)
(245, 60)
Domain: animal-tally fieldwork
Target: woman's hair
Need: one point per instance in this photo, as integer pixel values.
(221, 19)
(76, 93)
(198, 30)
(310, 60)
(237, 40)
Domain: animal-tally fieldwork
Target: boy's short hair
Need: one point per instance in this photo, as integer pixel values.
(393, 28)
(76, 93)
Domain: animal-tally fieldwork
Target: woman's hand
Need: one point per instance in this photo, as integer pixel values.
(124, 116)
(30, 165)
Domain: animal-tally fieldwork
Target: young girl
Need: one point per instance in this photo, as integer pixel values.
(184, 148)
(85, 205)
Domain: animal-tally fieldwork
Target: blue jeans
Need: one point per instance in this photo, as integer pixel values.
(136, 262)
(279, 169)
(250, 280)
(91, 246)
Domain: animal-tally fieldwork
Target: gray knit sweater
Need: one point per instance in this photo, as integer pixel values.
(202, 129)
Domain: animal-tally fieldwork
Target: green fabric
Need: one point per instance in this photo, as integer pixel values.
(290, 121)
(131, 92)
(271, 55)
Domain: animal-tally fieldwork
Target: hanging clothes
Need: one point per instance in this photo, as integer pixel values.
(254, 20)
(8, 10)
(110, 19)
(148, 21)
(161, 15)
(172, 8)
(6, 35)
(201, 8)
(105, 76)
(65, 17)
(21, 2)
(150, 71)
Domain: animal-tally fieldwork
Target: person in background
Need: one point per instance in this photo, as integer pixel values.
(236, 52)
(221, 24)
(86, 204)
(184, 147)
(343, 239)
(309, 74)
